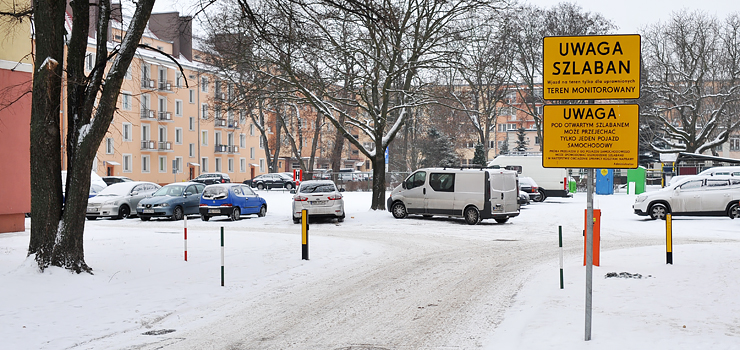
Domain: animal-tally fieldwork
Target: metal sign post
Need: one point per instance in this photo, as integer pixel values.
(589, 248)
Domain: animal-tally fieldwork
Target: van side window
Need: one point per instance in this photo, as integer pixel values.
(692, 185)
(716, 183)
(416, 180)
(518, 168)
(442, 182)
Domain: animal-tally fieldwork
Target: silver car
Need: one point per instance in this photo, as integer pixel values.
(320, 198)
(119, 200)
(699, 195)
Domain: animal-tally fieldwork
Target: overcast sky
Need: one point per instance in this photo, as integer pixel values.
(630, 15)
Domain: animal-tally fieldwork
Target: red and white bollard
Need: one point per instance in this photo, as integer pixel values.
(185, 221)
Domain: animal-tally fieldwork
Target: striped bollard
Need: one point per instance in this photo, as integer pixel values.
(560, 238)
(304, 234)
(222, 256)
(668, 240)
(186, 236)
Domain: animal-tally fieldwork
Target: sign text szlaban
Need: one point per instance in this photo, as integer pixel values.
(590, 136)
(596, 67)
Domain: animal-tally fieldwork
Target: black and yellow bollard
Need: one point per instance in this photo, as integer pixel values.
(668, 240)
(304, 233)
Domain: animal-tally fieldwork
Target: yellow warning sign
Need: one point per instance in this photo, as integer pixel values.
(590, 136)
(594, 67)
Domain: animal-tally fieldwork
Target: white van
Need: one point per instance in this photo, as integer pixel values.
(722, 170)
(473, 194)
(551, 182)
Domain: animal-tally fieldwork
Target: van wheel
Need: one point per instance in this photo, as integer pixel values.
(501, 220)
(541, 197)
(398, 210)
(658, 211)
(472, 215)
(296, 221)
(734, 211)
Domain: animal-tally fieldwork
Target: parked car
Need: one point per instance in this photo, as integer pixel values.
(119, 200)
(348, 174)
(699, 195)
(722, 170)
(529, 186)
(96, 184)
(321, 198)
(115, 179)
(173, 201)
(523, 198)
(471, 194)
(232, 200)
(552, 182)
(212, 178)
(274, 180)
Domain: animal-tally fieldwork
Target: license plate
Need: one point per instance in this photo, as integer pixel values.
(148, 211)
(92, 210)
(214, 211)
(318, 202)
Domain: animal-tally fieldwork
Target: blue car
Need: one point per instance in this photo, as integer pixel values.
(232, 200)
(172, 201)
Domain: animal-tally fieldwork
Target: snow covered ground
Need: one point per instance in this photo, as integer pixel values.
(142, 284)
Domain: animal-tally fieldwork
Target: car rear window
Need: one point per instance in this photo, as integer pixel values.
(215, 192)
(317, 188)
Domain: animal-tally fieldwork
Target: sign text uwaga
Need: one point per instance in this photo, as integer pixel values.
(592, 67)
(599, 136)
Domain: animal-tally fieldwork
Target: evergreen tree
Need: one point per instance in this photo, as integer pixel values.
(504, 146)
(521, 139)
(479, 157)
(439, 151)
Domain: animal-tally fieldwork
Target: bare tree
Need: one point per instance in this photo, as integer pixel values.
(692, 81)
(56, 236)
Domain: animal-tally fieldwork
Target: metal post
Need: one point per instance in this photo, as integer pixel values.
(185, 217)
(222, 256)
(589, 248)
(304, 234)
(560, 238)
(668, 239)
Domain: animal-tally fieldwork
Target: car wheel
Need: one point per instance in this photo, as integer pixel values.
(541, 197)
(91, 218)
(734, 211)
(177, 213)
(205, 217)
(144, 218)
(296, 221)
(235, 214)
(124, 212)
(263, 211)
(658, 211)
(288, 186)
(471, 215)
(340, 218)
(501, 220)
(398, 210)
(260, 186)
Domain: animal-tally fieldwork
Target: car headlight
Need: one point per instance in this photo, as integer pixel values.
(164, 205)
(640, 198)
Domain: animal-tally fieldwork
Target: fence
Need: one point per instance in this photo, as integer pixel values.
(357, 181)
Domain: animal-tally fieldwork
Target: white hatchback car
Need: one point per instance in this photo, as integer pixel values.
(698, 195)
(320, 198)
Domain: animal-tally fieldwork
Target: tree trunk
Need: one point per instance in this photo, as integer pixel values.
(378, 162)
(336, 152)
(46, 166)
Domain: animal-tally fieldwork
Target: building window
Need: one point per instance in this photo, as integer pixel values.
(145, 75)
(127, 132)
(162, 164)
(491, 144)
(178, 136)
(262, 165)
(204, 164)
(192, 96)
(251, 152)
(89, 62)
(178, 108)
(204, 137)
(218, 165)
(109, 145)
(204, 84)
(178, 163)
(192, 150)
(262, 142)
(178, 79)
(191, 124)
(217, 138)
(144, 164)
(251, 129)
(231, 165)
(242, 140)
(204, 111)
(242, 165)
(126, 160)
(126, 101)
(735, 144)
(145, 132)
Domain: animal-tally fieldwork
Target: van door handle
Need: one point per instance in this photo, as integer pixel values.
(502, 195)
(424, 190)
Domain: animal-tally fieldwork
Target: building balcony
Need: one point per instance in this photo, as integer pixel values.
(226, 149)
(165, 85)
(231, 123)
(148, 145)
(148, 114)
(147, 83)
(164, 116)
(164, 146)
(219, 122)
